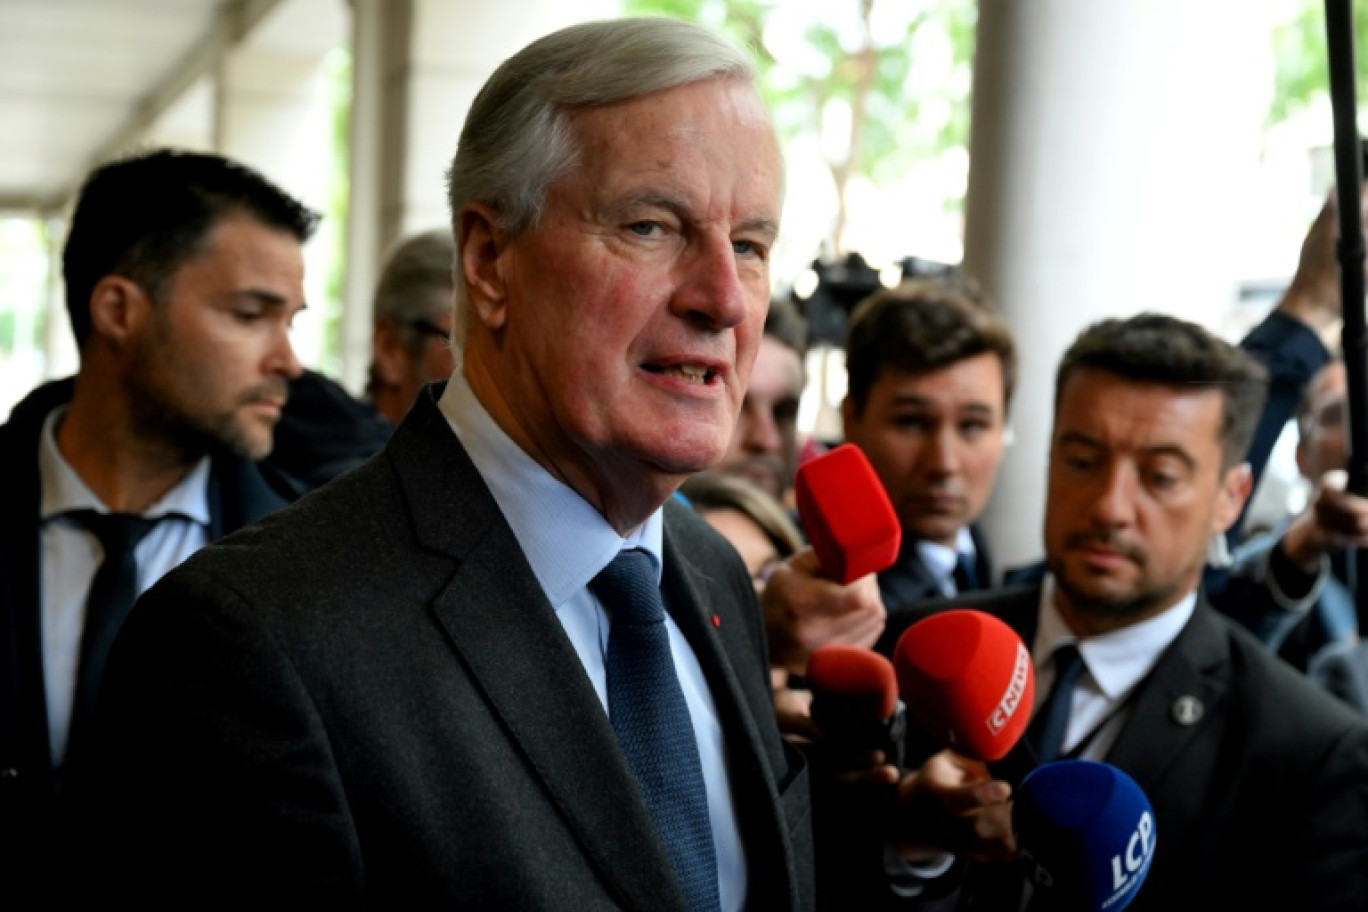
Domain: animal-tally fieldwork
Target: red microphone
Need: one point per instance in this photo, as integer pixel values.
(855, 700)
(969, 679)
(847, 514)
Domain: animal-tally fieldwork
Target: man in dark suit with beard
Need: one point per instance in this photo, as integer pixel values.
(183, 272)
(1258, 780)
(447, 678)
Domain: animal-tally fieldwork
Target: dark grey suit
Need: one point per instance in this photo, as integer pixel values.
(367, 700)
(1260, 801)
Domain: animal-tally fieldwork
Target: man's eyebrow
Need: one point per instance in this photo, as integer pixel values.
(650, 199)
(264, 296)
(1172, 450)
(1079, 438)
(763, 225)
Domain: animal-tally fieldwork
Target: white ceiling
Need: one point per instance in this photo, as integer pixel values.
(81, 78)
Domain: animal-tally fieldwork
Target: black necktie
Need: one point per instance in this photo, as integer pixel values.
(965, 574)
(1047, 729)
(648, 713)
(112, 592)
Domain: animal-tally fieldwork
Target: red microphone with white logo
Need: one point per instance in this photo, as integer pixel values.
(968, 678)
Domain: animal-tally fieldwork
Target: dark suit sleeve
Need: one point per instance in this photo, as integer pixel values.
(203, 719)
(1331, 865)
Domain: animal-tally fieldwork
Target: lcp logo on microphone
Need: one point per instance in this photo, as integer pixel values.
(1129, 867)
(1016, 688)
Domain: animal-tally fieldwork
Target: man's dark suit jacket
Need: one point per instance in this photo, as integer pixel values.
(366, 700)
(31, 813)
(1260, 802)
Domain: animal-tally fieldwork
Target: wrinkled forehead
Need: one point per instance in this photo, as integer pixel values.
(1097, 403)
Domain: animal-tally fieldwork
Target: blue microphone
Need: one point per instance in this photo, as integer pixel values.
(1086, 834)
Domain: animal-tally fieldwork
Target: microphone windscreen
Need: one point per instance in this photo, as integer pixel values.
(968, 678)
(1086, 834)
(858, 676)
(846, 514)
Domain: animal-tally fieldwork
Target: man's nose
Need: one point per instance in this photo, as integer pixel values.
(1114, 500)
(710, 285)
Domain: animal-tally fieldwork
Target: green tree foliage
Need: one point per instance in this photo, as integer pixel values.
(1302, 72)
(852, 55)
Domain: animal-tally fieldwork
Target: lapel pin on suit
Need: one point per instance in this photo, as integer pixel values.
(1187, 710)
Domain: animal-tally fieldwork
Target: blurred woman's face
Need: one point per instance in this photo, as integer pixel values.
(757, 552)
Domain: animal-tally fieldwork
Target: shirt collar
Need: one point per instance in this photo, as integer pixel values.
(1117, 660)
(566, 541)
(62, 490)
(941, 560)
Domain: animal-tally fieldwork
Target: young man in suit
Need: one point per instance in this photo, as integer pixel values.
(1258, 780)
(183, 272)
(445, 678)
(931, 375)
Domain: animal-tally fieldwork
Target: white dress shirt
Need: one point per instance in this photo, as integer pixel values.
(70, 554)
(940, 560)
(1114, 663)
(567, 542)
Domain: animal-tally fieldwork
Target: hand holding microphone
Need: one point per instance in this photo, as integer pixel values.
(968, 679)
(827, 594)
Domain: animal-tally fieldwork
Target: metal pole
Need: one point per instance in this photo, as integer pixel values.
(1339, 32)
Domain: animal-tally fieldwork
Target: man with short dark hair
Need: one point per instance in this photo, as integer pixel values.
(1258, 780)
(931, 374)
(499, 665)
(183, 273)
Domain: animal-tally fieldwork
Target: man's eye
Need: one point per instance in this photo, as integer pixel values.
(645, 229)
(749, 249)
(1077, 462)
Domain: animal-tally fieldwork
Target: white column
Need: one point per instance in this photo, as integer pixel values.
(273, 113)
(417, 65)
(1111, 146)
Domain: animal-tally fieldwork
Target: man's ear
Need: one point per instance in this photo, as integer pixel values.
(481, 243)
(118, 308)
(1235, 490)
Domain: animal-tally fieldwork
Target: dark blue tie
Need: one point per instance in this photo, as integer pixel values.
(112, 593)
(965, 573)
(647, 709)
(1047, 729)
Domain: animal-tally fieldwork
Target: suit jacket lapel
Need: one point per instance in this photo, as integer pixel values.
(1167, 710)
(24, 740)
(720, 649)
(510, 642)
